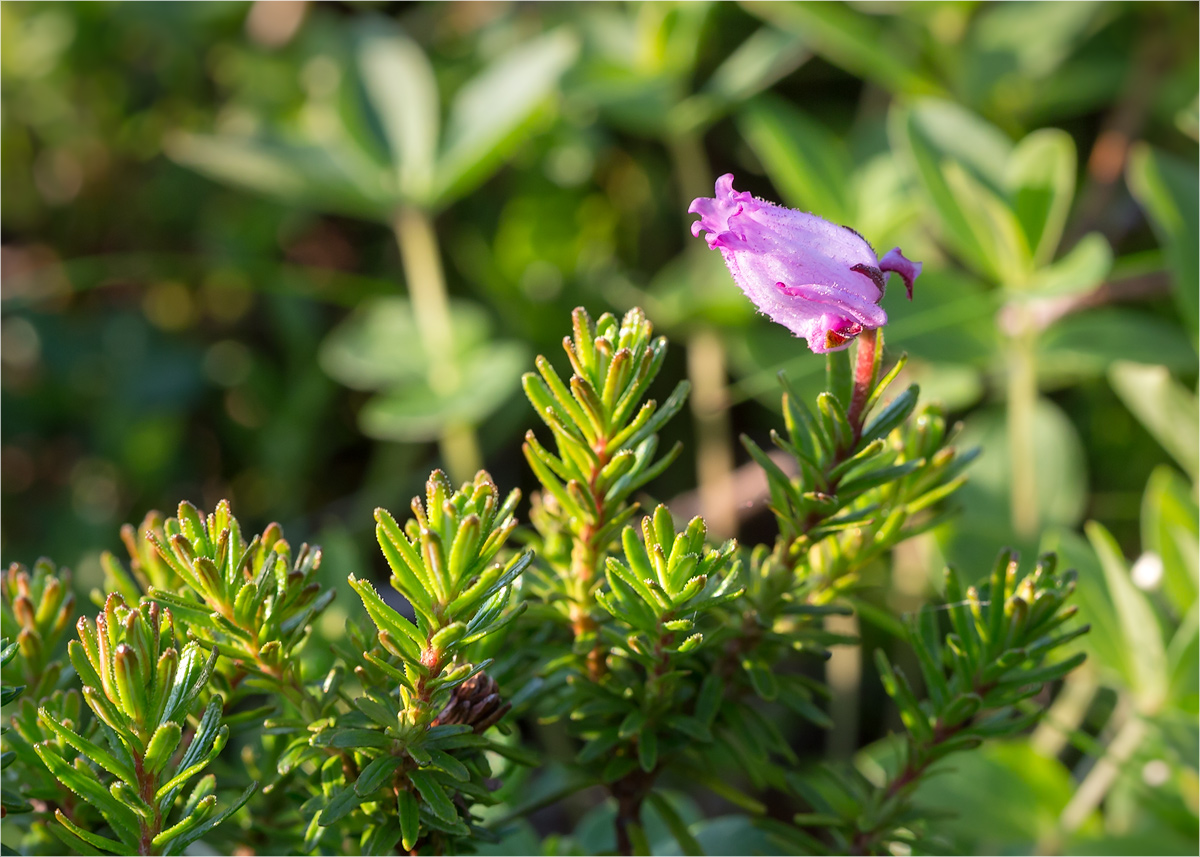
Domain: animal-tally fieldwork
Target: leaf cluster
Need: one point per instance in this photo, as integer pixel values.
(993, 657)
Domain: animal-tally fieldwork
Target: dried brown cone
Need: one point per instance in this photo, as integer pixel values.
(476, 702)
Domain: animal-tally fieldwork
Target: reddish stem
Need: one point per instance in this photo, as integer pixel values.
(864, 378)
(585, 556)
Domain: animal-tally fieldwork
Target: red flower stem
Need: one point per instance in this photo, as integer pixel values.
(864, 379)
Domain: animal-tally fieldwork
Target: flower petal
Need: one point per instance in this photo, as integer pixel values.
(894, 261)
(820, 280)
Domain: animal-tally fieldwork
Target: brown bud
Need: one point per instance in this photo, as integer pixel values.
(476, 702)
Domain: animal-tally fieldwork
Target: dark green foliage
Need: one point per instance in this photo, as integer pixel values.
(298, 255)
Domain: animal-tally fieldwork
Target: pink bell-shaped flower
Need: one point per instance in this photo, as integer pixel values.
(819, 280)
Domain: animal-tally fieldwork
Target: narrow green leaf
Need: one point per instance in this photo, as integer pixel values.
(434, 796)
(410, 818)
(375, 774)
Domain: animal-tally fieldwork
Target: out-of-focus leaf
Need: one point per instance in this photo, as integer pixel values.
(1002, 798)
(949, 131)
(950, 321)
(1105, 643)
(758, 62)
(594, 832)
(993, 225)
(1058, 458)
(665, 37)
(859, 43)
(954, 386)
(1140, 629)
(1163, 406)
(1166, 188)
(1171, 530)
(696, 285)
(725, 834)
(415, 412)
(806, 162)
(379, 345)
(403, 92)
(952, 153)
(494, 111)
(1041, 184)
(305, 176)
(1083, 268)
(1039, 36)
(886, 211)
(755, 64)
(1086, 344)
(1183, 661)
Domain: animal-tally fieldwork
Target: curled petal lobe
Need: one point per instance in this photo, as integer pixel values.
(894, 261)
(820, 280)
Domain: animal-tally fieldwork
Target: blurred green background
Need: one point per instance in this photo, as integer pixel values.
(233, 235)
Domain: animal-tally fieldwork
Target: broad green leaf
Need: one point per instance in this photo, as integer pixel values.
(415, 412)
(1140, 630)
(993, 224)
(493, 112)
(764, 58)
(1083, 268)
(952, 132)
(400, 84)
(1166, 188)
(377, 345)
(806, 162)
(300, 175)
(340, 805)
(1041, 185)
(1164, 407)
(677, 826)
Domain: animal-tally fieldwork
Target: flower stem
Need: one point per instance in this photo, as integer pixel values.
(426, 281)
(1022, 402)
(866, 368)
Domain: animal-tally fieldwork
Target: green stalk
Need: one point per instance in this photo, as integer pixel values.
(1022, 400)
(426, 280)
